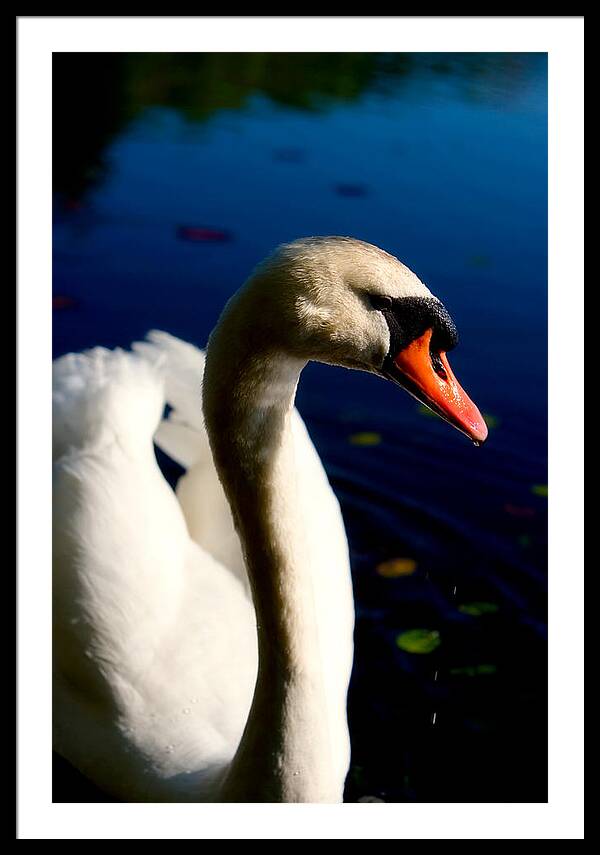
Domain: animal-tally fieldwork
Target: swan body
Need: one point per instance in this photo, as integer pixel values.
(203, 638)
(156, 660)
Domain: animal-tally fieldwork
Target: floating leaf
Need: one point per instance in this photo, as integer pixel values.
(479, 725)
(397, 567)
(425, 411)
(365, 438)
(473, 670)
(203, 234)
(519, 511)
(61, 301)
(540, 490)
(478, 608)
(73, 204)
(357, 775)
(419, 640)
(351, 190)
(289, 155)
(480, 261)
(490, 420)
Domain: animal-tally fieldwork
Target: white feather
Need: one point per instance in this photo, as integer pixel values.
(155, 637)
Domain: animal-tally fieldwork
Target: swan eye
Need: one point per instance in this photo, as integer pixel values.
(380, 301)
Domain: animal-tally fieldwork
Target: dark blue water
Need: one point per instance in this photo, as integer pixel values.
(174, 175)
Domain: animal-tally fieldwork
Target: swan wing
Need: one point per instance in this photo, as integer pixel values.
(183, 437)
(154, 644)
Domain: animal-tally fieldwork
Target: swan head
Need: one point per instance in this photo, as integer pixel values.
(345, 302)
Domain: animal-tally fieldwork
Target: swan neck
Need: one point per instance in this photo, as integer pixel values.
(248, 404)
(249, 420)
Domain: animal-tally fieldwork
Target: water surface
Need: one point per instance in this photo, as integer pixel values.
(175, 174)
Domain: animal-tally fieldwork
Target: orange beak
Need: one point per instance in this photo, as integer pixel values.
(430, 379)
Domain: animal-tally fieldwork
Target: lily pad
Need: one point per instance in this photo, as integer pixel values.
(473, 670)
(419, 640)
(540, 490)
(478, 608)
(480, 261)
(397, 567)
(365, 438)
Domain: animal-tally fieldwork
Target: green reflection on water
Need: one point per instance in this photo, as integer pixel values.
(96, 94)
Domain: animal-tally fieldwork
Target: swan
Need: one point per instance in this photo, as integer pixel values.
(203, 639)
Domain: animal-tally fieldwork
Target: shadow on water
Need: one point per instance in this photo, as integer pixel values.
(174, 174)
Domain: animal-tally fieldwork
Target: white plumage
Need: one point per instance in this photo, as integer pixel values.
(156, 640)
(155, 633)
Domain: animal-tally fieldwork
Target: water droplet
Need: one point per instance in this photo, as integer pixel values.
(186, 711)
(194, 700)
